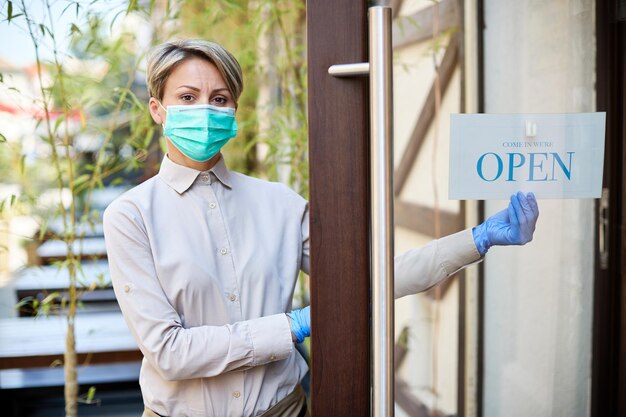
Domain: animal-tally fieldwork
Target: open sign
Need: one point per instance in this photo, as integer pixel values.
(534, 166)
(554, 155)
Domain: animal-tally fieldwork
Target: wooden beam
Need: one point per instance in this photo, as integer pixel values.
(446, 69)
(339, 205)
(82, 358)
(421, 219)
(419, 26)
(396, 5)
(404, 397)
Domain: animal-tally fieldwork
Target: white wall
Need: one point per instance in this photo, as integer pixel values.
(539, 57)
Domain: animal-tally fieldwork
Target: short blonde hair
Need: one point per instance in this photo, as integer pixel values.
(165, 57)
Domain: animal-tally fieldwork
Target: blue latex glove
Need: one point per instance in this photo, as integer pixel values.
(300, 323)
(512, 226)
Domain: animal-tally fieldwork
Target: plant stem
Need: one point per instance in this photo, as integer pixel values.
(69, 362)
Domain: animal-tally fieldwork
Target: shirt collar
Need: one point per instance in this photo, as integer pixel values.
(222, 173)
(180, 177)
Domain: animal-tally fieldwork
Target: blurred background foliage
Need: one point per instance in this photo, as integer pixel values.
(267, 37)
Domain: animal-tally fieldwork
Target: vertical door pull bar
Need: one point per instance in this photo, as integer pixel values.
(381, 239)
(381, 151)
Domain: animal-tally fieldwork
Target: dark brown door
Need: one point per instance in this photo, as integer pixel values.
(609, 343)
(339, 195)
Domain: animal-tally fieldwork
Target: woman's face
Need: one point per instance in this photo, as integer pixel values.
(193, 81)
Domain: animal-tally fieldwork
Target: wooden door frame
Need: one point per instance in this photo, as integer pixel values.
(339, 207)
(609, 321)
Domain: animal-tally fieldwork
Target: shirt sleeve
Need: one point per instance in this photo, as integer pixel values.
(177, 352)
(421, 268)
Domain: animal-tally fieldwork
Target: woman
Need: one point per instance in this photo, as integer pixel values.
(204, 260)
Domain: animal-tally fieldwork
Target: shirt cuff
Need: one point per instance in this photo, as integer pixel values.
(271, 338)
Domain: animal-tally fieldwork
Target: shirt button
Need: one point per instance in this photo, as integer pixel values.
(236, 394)
(204, 177)
(223, 251)
(126, 288)
(232, 297)
(212, 205)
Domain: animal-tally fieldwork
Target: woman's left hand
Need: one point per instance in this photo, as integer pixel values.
(514, 225)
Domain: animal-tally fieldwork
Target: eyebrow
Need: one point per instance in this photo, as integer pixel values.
(191, 87)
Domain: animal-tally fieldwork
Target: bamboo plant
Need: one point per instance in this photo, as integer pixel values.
(72, 103)
(266, 36)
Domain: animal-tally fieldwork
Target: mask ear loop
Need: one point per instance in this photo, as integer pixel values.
(165, 110)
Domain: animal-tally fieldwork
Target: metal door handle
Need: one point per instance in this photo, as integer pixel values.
(381, 240)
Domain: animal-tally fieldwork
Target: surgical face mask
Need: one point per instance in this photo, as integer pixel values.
(199, 131)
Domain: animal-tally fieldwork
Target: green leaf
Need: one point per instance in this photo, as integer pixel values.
(51, 298)
(24, 302)
(80, 181)
(81, 283)
(1, 78)
(74, 29)
(2, 138)
(89, 45)
(46, 310)
(58, 123)
(49, 32)
(132, 5)
(56, 363)
(66, 7)
(101, 280)
(79, 268)
(91, 394)
(148, 138)
(9, 11)
(115, 19)
(43, 228)
(43, 29)
(139, 104)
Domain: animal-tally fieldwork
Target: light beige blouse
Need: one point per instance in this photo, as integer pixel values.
(204, 266)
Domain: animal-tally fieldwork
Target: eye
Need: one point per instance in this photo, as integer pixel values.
(220, 100)
(187, 97)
